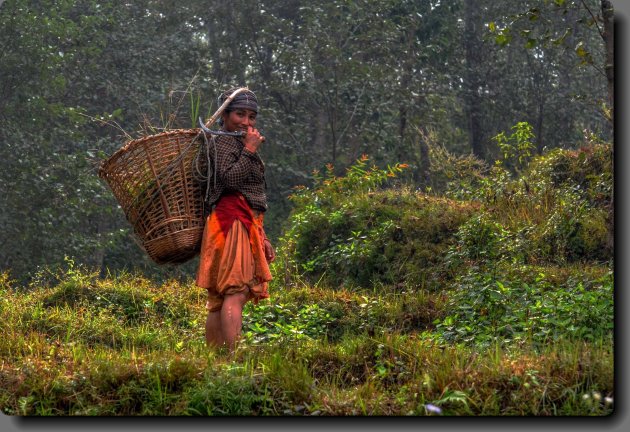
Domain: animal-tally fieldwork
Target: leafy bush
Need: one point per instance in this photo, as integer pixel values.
(347, 231)
(516, 149)
(588, 169)
(283, 322)
(486, 309)
(455, 176)
(557, 211)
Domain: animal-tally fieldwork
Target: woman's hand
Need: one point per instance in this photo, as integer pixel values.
(270, 254)
(253, 139)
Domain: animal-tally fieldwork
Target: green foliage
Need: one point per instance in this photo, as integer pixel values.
(516, 149)
(588, 169)
(229, 391)
(345, 230)
(535, 26)
(556, 211)
(483, 239)
(487, 309)
(455, 176)
(280, 323)
(117, 307)
(66, 63)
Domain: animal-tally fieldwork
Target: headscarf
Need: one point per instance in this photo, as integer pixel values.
(244, 100)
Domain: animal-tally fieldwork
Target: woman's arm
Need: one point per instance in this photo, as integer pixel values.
(235, 163)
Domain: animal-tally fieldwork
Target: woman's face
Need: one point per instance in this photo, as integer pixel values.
(239, 120)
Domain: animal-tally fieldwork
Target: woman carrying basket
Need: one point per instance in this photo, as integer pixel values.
(235, 251)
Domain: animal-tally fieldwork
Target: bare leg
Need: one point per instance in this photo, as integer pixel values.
(232, 318)
(214, 333)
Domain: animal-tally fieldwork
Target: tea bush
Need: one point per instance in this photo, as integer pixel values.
(280, 322)
(556, 211)
(453, 175)
(348, 231)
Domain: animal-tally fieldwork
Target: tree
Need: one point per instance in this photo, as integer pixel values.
(473, 81)
(336, 79)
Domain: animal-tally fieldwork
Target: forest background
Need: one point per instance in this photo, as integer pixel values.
(441, 196)
(335, 80)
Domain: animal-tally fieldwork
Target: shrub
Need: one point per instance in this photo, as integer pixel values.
(486, 309)
(588, 169)
(455, 176)
(283, 323)
(557, 210)
(348, 231)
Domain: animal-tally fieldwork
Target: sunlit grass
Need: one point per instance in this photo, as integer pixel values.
(81, 345)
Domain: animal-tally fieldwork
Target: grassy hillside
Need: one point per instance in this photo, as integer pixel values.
(490, 295)
(121, 346)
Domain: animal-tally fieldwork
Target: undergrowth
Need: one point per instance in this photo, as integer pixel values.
(307, 351)
(491, 294)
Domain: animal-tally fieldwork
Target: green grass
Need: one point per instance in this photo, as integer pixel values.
(83, 345)
(497, 301)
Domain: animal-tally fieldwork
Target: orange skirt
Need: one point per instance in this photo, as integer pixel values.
(233, 262)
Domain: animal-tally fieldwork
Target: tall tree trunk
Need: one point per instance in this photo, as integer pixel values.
(319, 123)
(539, 125)
(405, 81)
(609, 40)
(216, 15)
(472, 45)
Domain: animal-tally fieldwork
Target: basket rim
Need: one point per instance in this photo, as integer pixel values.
(128, 145)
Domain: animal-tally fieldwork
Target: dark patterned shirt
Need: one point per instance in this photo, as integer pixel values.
(237, 170)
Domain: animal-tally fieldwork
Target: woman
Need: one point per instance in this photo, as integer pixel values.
(235, 251)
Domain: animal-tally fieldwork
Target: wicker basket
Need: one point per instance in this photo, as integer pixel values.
(153, 180)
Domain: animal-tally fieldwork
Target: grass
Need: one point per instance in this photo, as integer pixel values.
(82, 345)
(385, 302)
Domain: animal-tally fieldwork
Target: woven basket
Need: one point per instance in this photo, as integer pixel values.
(153, 180)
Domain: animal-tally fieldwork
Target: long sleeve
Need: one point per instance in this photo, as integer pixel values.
(238, 170)
(235, 166)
